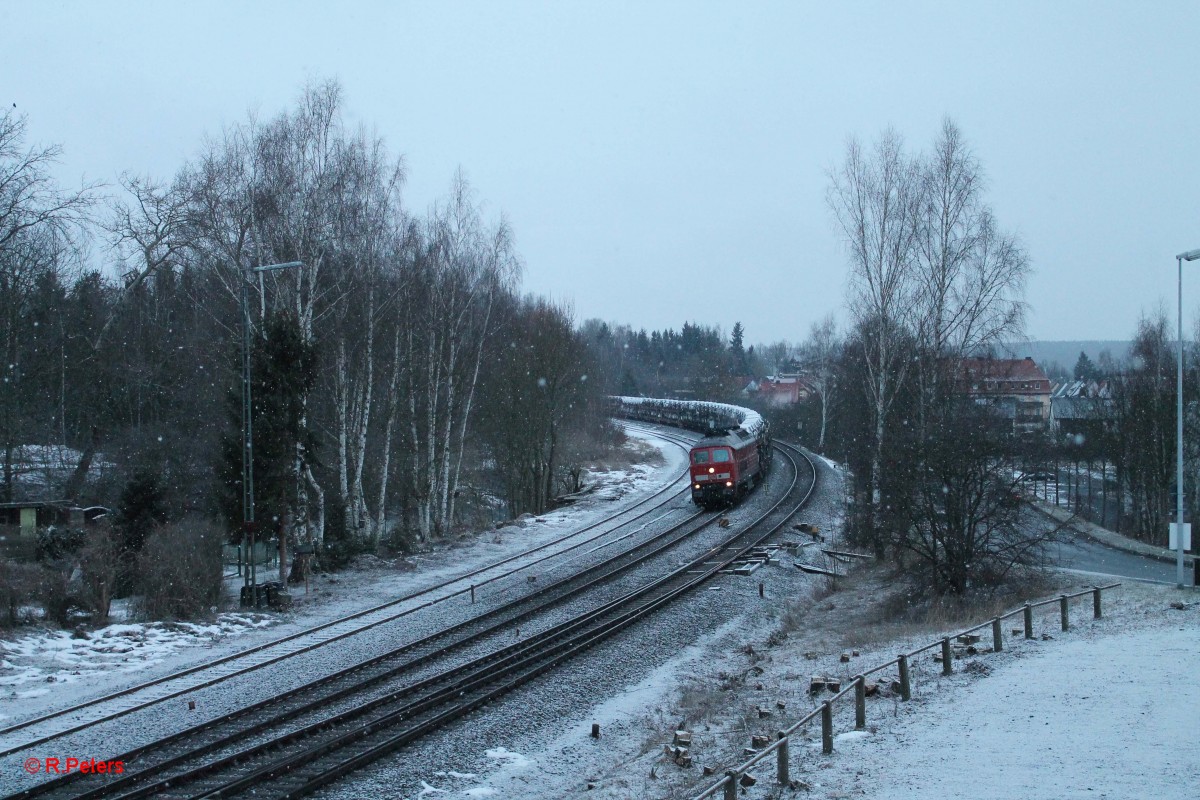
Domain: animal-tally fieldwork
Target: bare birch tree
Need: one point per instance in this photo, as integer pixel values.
(821, 354)
(970, 276)
(463, 266)
(874, 199)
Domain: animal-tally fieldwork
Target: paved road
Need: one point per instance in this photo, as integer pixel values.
(1076, 552)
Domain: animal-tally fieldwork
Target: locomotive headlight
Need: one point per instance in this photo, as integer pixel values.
(729, 483)
(697, 486)
(712, 470)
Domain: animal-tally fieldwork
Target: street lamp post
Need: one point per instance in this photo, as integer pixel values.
(1190, 255)
(250, 574)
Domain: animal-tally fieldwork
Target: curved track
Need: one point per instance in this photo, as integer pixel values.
(79, 717)
(302, 746)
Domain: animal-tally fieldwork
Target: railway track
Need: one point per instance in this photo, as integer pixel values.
(79, 717)
(302, 746)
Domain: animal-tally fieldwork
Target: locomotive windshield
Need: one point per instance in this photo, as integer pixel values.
(720, 454)
(699, 456)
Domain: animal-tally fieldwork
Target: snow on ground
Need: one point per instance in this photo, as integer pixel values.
(41, 664)
(45, 669)
(1106, 709)
(1113, 717)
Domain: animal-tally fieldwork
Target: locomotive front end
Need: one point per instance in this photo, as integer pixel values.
(714, 476)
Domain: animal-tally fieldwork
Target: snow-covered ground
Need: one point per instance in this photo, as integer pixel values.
(43, 669)
(55, 662)
(1110, 715)
(1107, 709)
(1104, 710)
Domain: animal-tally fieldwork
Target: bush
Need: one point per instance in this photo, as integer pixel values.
(20, 586)
(179, 571)
(103, 566)
(55, 543)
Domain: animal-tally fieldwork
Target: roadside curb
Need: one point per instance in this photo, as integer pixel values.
(1106, 537)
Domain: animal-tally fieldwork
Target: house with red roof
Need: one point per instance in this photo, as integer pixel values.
(1014, 387)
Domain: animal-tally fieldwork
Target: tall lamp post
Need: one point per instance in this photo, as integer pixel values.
(250, 575)
(1190, 255)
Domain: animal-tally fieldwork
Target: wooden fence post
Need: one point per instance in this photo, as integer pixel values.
(826, 727)
(1028, 621)
(997, 636)
(905, 686)
(1096, 602)
(860, 702)
(781, 759)
(947, 657)
(1063, 608)
(472, 594)
(731, 784)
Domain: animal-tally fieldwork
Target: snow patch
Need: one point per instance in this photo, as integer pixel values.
(511, 760)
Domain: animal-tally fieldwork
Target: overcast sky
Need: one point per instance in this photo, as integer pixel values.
(665, 162)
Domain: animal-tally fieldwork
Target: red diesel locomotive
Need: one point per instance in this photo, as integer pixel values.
(727, 466)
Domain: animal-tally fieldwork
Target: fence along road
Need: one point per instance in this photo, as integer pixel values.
(728, 785)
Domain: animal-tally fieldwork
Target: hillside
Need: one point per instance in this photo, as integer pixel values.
(1066, 352)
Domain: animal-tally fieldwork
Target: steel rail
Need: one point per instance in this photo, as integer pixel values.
(570, 648)
(242, 654)
(658, 542)
(485, 668)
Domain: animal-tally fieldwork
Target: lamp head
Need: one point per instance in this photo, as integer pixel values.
(1190, 255)
(290, 264)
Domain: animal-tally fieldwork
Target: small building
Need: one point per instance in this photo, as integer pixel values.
(1016, 387)
(783, 389)
(1080, 408)
(27, 516)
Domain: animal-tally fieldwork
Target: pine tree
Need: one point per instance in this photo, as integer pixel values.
(283, 372)
(1085, 370)
(737, 351)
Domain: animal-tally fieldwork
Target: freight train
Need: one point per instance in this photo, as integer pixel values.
(733, 457)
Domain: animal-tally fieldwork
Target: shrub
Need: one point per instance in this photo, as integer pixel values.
(179, 571)
(58, 591)
(20, 586)
(54, 543)
(103, 566)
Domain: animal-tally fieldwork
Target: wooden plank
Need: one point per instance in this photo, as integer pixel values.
(815, 570)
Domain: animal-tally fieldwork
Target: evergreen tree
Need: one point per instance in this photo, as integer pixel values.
(737, 351)
(1085, 370)
(283, 372)
(142, 508)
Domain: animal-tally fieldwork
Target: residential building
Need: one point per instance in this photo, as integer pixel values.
(1015, 387)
